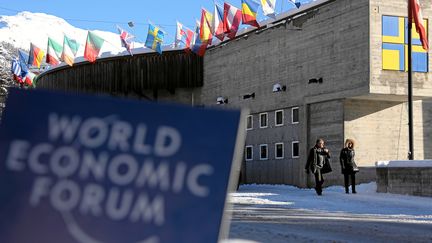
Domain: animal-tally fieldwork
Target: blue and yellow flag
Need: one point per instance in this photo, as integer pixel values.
(154, 38)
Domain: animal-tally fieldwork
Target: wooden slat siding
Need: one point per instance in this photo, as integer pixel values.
(125, 75)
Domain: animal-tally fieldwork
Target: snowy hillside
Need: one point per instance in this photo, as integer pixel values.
(26, 27)
(16, 32)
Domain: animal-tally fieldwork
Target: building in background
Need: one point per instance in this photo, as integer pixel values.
(334, 69)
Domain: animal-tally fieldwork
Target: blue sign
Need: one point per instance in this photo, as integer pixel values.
(98, 169)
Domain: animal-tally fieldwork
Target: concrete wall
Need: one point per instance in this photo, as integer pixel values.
(405, 180)
(381, 129)
(394, 82)
(186, 96)
(340, 42)
(330, 42)
(326, 121)
(427, 128)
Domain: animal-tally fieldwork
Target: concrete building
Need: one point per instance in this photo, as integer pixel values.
(330, 59)
(340, 74)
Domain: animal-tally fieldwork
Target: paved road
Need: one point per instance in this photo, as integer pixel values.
(275, 224)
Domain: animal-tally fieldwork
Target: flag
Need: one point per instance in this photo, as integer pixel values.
(126, 39)
(70, 49)
(54, 51)
(415, 13)
(23, 60)
(16, 68)
(198, 46)
(196, 33)
(155, 38)
(232, 19)
(189, 37)
(35, 56)
(18, 79)
(205, 27)
(249, 12)
(268, 7)
(218, 24)
(179, 34)
(183, 33)
(297, 4)
(16, 71)
(92, 48)
(29, 79)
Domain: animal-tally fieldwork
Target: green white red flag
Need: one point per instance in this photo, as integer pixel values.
(70, 49)
(93, 45)
(54, 51)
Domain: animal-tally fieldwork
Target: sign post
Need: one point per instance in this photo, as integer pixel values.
(93, 169)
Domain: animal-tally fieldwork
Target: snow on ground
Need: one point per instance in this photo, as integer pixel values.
(280, 214)
(366, 201)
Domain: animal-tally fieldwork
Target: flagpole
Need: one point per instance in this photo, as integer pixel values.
(410, 88)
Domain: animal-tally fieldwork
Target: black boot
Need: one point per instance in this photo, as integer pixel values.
(318, 191)
(353, 183)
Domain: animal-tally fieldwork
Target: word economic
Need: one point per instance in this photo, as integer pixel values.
(83, 156)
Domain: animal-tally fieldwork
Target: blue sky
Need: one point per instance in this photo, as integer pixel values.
(104, 15)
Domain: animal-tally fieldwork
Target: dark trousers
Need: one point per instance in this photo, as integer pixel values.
(319, 180)
(346, 179)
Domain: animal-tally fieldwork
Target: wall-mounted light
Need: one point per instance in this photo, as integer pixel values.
(248, 96)
(221, 100)
(278, 88)
(316, 81)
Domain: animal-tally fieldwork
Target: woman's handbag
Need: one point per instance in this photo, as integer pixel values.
(355, 167)
(326, 167)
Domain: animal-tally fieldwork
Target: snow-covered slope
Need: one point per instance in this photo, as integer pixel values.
(26, 27)
(16, 32)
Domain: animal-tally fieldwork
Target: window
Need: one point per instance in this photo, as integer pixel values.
(294, 115)
(249, 122)
(263, 120)
(263, 152)
(279, 117)
(279, 150)
(295, 149)
(249, 153)
(394, 45)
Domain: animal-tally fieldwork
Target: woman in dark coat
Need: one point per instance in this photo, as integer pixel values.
(348, 165)
(318, 163)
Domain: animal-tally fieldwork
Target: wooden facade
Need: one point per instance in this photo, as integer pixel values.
(128, 75)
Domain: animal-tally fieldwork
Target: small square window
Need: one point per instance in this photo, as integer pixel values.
(279, 150)
(263, 152)
(294, 115)
(263, 120)
(295, 149)
(249, 122)
(279, 117)
(249, 153)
